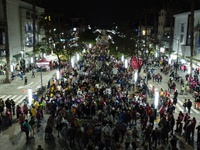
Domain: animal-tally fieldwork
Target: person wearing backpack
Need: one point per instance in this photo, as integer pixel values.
(32, 125)
(26, 128)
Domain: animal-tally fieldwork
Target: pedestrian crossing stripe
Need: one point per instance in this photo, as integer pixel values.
(18, 99)
(192, 109)
(180, 107)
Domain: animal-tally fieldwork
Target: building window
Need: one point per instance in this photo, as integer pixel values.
(36, 17)
(28, 15)
(181, 38)
(182, 27)
(30, 28)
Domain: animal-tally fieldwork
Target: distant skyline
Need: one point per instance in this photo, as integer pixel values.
(105, 11)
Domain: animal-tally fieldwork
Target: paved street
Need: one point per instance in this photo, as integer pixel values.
(179, 106)
(13, 139)
(17, 91)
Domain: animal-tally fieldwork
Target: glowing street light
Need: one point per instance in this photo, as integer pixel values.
(30, 97)
(77, 56)
(136, 76)
(135, 79)
(156, 100)
(58, 74)
(126, 63)
(72, 62)
(122, 58)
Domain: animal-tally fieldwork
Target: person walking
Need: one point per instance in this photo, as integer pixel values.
(25, 80)
(33, 74)
(176, 94)
(26, 128)
(12, 106)
(8, 117)
(32, 125)
(182, 90)
(198, 133)
(186, 120)
(179, 122)
(193, 125)
(39, 147)
(155, 136)
(185, 105)
(59, 126)
(173, 142)
(189, 105)
(38, 118)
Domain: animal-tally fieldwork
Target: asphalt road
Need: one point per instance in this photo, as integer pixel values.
(13, 139)
(179, 106)
(17, 91)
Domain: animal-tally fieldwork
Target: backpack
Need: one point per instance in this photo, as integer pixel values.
(24, 127)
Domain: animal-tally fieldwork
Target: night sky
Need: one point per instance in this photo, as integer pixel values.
(97, 11)
(105, 11)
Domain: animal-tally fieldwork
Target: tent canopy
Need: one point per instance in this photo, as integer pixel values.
(136, 62)
(43, 62)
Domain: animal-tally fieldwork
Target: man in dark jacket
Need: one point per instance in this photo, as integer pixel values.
(173, 142)
(189, 105)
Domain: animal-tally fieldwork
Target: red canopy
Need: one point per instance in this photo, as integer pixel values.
(136, 62)
(43, 62)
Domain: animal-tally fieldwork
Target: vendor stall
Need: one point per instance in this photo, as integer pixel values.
(44, 63)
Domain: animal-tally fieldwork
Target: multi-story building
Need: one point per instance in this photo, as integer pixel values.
(163, 31)
(182, 34)
(20, 31)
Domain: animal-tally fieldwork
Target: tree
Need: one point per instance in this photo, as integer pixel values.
(7, 42)
(132, 45)
(59, 36)
(87, 36)
(123, 41)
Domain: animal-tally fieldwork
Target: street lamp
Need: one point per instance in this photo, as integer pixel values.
(126, 63)
(135, 79)
(147, 54)
(58, 74)
(30, 97)
(156, 100)
(41, 76)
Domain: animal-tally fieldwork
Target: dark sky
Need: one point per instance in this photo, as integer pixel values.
(98, 11)
(105, 11)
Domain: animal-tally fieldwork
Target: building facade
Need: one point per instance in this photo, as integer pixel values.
(163, 32)
(20, 31)
(182, 32)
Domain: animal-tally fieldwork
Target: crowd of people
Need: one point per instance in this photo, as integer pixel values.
(97, 104)
(94, 105)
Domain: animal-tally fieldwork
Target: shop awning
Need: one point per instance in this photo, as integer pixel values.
(29, 53)
(17, 56)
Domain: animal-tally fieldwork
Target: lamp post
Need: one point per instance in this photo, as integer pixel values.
(135, 79)
(147, 90)
(156, 100)
(41, 77)
(30, 97)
